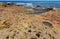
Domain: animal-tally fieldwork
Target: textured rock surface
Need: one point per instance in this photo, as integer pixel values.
(17, 25)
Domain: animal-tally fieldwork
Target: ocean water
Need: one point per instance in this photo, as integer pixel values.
(42, 3)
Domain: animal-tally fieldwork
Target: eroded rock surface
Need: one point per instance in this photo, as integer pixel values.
(17, 25)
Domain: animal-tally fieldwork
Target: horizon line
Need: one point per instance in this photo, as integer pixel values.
(29, 1)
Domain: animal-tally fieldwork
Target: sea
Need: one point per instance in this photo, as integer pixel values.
(43, 3)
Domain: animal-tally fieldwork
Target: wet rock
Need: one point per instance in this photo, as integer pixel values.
(49, 9)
